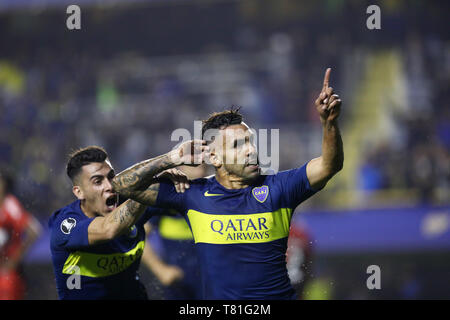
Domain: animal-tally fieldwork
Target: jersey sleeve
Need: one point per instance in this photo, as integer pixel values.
(295, 186)
(70, 232)
(168, 197)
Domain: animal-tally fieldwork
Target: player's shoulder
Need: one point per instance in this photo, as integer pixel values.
(67, 216)
(286, 179)
(64, 225)
(289, 173)
(11, 201)
(13, 207)
(201, 182)
(270, 177)
(194, 185)
(199, 186)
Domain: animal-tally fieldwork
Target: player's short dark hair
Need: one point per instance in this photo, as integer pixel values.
(82, 157)
(221, 120)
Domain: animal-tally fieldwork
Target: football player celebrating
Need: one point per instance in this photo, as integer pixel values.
(239, 218)
(96, 242)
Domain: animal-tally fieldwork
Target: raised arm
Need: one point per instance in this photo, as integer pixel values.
(116, 223)
(139, 181)
(320, 170)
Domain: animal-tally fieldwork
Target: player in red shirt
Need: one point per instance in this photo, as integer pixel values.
(18, 230)
(299, 258)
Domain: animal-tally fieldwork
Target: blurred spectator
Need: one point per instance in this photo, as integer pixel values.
(18, 230)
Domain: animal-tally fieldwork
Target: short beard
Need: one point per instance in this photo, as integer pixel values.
(239, 175)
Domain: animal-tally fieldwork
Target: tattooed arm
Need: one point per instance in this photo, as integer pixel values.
(115, 223)
(139, 183)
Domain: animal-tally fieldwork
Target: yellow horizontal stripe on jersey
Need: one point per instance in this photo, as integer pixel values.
(101, 265)
(240, 228)
(174, 229)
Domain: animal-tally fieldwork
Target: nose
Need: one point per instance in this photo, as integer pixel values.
(108, 185)
(252, 153)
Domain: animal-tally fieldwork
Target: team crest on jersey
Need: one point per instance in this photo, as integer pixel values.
(68, 224)
(260, 193)
(133, 232)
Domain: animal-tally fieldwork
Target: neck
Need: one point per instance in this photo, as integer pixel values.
(230, 181)
(87, 211)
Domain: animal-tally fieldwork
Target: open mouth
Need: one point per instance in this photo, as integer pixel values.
(111, 201)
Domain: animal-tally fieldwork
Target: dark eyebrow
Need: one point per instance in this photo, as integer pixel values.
(111, 172)
(96, 176)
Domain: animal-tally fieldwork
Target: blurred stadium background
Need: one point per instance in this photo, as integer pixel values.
(137, 70)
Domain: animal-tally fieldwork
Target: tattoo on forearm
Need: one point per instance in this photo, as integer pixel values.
(146, 197)
(126, 213)
(140, 176)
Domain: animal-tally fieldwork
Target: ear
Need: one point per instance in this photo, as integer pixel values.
(215, 161)
(78, 192)
(214, 158)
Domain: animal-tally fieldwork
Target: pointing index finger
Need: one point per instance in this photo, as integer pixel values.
(326, 79)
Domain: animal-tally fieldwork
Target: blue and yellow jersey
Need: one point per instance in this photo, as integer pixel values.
(176, 247)
(105, 271)
(171, 225)
(241, 235)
